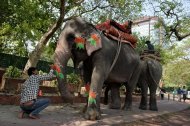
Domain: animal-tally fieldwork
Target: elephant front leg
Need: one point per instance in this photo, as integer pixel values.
(93, 108)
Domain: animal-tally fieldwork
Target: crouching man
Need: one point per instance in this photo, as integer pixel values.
(29, 103)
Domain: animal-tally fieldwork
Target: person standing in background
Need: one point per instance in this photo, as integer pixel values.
(184, 92)
(162, 92)
(179, 91)
(174, 93)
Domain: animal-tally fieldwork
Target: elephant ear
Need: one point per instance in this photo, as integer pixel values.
(93, 43)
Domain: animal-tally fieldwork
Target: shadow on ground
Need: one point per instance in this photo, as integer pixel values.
(71, 115)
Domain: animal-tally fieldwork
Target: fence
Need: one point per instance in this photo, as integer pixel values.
(7, 60)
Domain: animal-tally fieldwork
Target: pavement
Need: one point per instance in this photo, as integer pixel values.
(71, 115)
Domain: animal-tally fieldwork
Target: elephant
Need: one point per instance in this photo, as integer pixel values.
(150, 76)
(104, 59)
(151, 73)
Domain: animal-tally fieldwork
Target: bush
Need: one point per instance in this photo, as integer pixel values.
(13, 72)
(73, 78)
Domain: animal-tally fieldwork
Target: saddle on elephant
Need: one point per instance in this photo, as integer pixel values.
(146, 54)
(119, 32)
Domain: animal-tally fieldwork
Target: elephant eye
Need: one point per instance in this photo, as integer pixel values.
(70, 37)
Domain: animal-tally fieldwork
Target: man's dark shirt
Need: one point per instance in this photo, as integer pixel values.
(150, 47)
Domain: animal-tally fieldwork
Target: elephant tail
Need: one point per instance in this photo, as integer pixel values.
(152, 72)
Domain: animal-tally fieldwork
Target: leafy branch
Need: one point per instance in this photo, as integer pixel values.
(171, 10)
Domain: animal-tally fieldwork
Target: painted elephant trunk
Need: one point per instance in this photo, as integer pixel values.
(61, 57)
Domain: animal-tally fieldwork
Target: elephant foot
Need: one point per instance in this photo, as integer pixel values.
(115, 106)
(154, 108)
(143, 107)
(92, 114)
(127, 108)
(68, 98)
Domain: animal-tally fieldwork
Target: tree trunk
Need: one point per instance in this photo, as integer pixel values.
(35, 55)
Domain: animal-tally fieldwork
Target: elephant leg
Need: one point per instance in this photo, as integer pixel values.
(144, 91)
(87, 79)
(130, 88)
(115, 96)
(106, 97)
(93, 110)
(152, 100)
(128, 99)
(155, 73)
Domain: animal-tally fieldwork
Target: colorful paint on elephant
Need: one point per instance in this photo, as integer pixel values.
(87, 88)
(80, 42)
(57, 71)
(93, 40)
(90, 94)
(92, 97)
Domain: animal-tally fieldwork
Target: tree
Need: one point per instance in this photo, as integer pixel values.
(18, 28)
(173, 18)
(35, 55)
(177, 73)
(43, 18)
(176, 70)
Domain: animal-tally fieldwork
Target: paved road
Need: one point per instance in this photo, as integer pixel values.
(70, 115)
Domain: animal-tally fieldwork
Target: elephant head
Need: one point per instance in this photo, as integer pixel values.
(78, 40)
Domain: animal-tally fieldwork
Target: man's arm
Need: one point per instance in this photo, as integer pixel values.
(48, 76)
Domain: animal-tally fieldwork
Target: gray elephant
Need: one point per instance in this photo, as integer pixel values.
(149, 78)
(103, 62)
(151, 72)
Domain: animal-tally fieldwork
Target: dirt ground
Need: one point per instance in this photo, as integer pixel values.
(171, 113)
(180, 118)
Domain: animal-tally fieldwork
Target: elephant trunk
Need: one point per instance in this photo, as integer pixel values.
(61, 57)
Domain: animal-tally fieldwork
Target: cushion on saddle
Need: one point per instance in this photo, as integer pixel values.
(122, 36)
(120, 32)
(149, 55)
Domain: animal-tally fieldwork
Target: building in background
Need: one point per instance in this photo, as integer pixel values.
(145, 26)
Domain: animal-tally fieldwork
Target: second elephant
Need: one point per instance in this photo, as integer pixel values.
(150, 76)
(151, 73)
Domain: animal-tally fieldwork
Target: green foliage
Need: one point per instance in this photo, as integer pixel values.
(171, 54)
(48, 52)
(25, 21)
(177, 73)
(174, 16)
(13, 72)
(73, 78)
(119, 10)
(141, 43)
